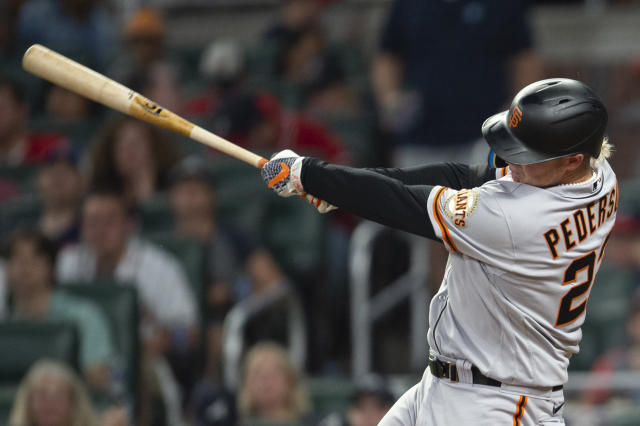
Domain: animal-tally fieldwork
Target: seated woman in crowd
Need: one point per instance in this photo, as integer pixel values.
(51, 394)
(272, 391)
(132, 157)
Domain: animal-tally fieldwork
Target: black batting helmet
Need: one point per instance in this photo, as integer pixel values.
(548, 119)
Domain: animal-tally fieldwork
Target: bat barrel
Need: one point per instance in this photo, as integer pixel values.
(64, 72)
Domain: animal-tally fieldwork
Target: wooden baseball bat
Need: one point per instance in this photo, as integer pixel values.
(64, 72)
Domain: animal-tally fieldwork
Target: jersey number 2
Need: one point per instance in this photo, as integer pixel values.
(566, 313)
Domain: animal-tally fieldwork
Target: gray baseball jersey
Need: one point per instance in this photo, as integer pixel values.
(521, 265)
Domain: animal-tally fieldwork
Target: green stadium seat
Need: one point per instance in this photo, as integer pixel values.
(330, 395)
(23, 176)
(261, 59)
(24, 343)
(31, 341)
(295, 233)
(7, 395)
(357, 132)
(120, 305)
(193, 257)
(80, 133)
(155, 215)
(19, 211)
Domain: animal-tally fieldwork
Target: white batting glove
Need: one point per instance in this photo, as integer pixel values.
(282, 174)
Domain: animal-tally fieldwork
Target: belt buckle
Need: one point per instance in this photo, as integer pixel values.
(435, 367)
(453, 372)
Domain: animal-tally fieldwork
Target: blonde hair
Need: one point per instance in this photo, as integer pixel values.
(298, 402)
(605, 153)
(82, 413)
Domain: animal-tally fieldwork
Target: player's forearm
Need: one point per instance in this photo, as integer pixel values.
(453, 175)
(370, 195)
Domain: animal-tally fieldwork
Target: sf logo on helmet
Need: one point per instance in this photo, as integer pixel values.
(516, 117)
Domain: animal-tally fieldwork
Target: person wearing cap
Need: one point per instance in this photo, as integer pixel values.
(525, 242)
(144, 64)
(192, 196)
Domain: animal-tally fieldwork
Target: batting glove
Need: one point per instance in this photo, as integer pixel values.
(321, 205)
(282, 174)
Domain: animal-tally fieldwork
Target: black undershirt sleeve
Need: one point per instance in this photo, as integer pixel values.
(392, 197)
(453, 175)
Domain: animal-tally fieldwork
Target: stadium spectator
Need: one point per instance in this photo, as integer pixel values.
(82, 30)
(60, 186)
(132, 157)
(19, 145)
(143, 65)
(257, 122)
(212, 405)
(222, 69)
(193, 203)
(30, 278)
(52, 395)
(110, 248)
(264, 279)
(295, 16)
(305, 61)
(367, 406)
(370, 402)
(272, 390)
(9, 11)
(63, 106)
(440, 60)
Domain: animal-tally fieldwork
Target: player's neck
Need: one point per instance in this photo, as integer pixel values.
(579, 175)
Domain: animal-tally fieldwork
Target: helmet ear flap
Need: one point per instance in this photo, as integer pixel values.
(495, 161)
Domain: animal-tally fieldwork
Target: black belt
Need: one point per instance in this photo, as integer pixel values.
(446, 370)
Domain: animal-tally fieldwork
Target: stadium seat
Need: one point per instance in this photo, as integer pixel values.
(154, 215)
(357, 132)
(120, 305)
(261, 59)
(330, 395)
(31, 341)
(24, 343)
(19, 211)
(80, 133)
(22, 175)
(296, 234)
(193, 257)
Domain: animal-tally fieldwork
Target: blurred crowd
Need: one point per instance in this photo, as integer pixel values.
(96, 206)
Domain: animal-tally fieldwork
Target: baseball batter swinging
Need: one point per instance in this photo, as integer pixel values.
(525, 244)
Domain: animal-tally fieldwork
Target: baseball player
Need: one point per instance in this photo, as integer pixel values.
(525, 242)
